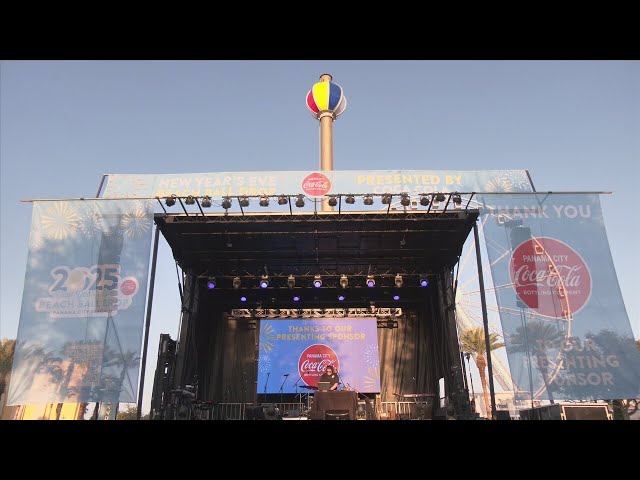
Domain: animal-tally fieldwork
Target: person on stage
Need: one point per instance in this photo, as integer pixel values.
(330, 376)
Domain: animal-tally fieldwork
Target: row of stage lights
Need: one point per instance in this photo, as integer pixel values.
(426, 200)
(317, 281)
(341, 298)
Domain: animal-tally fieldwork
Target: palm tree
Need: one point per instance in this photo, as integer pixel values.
(7, 349)
(124, 361)
(538, 338)
(472, 341)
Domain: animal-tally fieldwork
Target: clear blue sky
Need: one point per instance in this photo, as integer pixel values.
(575, 125)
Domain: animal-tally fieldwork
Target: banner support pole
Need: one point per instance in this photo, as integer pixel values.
(148, 322)
(485, 322)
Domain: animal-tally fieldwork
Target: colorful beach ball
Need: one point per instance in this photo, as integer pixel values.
(326, 97)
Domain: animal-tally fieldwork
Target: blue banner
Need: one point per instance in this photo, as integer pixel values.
(566, 329)
(294, 354)
(316, 184)
(83, 305)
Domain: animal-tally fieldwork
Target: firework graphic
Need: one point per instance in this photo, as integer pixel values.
(371, 358)
(60, 221)
(148, 205)
(264, 363)
(499, 184)
(135, 223)
(91, 223)
(267, 336)
(36, 241)
(128, 185)
(519, 181)
(372, 379)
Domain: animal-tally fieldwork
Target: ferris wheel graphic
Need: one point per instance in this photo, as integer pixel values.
(536, 333)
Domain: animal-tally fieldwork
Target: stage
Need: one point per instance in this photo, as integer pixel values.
(410, 254)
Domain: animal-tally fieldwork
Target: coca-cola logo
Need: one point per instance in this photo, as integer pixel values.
(129, 286)
(550, 277)
(316, 185)
(314, 360)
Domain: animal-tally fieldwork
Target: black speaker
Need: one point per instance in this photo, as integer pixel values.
(568, 411)
(254, 412)
(262, 412)
(271, 412)
(503, 415)
(336, 414)
(421, 411)
(440, 414)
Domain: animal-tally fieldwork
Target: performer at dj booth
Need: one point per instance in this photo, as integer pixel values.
(330, 376)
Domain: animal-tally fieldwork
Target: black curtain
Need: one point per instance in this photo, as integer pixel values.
(413, 355)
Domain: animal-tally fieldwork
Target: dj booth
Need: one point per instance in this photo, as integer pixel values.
(336, 405)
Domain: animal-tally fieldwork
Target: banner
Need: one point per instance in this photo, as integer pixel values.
(566, 330)
(294, 354)
(316, 184)
(83, 305)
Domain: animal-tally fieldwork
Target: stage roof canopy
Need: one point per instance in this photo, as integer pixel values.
(413, 244)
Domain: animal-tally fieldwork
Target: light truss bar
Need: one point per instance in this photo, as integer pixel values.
(378, 312)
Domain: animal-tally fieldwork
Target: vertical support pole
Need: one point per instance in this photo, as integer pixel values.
(148, 322)
(485, 321)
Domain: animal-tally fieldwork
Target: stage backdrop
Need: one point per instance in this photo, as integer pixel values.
(565, 326)
(83, 305)
(294, 354)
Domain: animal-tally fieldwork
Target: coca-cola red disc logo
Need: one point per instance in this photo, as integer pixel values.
(316, 185)
(313, 361)
(550, 277)
(129, 286)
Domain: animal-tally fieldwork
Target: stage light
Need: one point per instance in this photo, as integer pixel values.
(333, 201)
(317, 281)
(436, 200)
(405, 200)
(386, 199)
(398, 280)
(396, 297)
(350, 200)
(296, 298)
(344, 281)
(291, 281)
(244, 202)
(457, 200)
(282, 200)
(189, 200)
(243, 299)
(424, 282)
(368, 200)
(264, 282)
(170, 201)
(206, 201)
(211, 283)
(424, 200)
(371, 282)
(236, 282)
(300, 201)
(341, 297)
(264, 201)
(226, 203)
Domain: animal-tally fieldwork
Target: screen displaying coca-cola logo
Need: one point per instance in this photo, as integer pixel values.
(314, 360)
(316, 185)
(550, 277)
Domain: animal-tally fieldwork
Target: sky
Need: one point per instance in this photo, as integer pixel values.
(575, 125)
